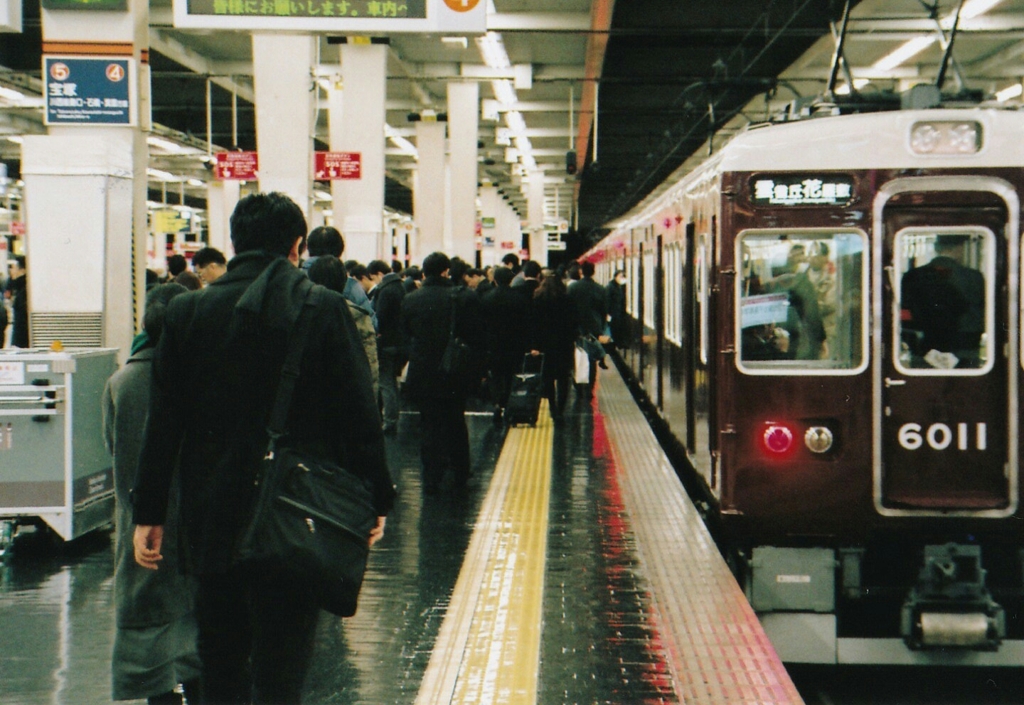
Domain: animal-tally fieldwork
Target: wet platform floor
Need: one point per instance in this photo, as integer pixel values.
(56, 602)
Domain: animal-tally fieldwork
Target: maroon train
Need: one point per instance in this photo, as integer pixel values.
(826, 318)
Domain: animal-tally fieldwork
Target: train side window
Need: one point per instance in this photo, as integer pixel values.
(944, 300)
(801, 301)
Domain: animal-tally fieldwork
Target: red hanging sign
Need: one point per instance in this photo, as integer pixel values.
(237, 166)
(334, 166)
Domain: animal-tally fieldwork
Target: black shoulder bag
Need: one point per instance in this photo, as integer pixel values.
(311, 517)
(457, 360)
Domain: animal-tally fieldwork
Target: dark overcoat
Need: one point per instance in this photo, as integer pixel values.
(426, 326)
(216, 374)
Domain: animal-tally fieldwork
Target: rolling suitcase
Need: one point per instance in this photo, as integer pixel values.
(524, 399)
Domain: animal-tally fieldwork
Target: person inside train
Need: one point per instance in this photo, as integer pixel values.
(943, 307)
(155, 636)
(821, 272)
(806, 332)
(210, 264)
(215, 376)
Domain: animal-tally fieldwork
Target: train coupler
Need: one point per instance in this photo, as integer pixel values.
(950, 607)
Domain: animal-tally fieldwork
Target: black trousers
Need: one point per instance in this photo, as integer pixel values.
(444, 441)
(256, 634)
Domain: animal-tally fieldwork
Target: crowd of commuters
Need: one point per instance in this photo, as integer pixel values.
(186, 418)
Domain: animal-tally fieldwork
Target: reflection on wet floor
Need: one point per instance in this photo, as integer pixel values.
(599, 642)
(598, 645)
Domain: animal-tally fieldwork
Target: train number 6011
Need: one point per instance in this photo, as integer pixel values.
(939, 436)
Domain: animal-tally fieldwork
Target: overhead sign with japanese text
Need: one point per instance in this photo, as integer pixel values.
(335, 166)
(343, 16)
(93, 90)
(237, 166)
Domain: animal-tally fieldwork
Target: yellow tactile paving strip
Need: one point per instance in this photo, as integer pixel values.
(488, 648)
(717, 650)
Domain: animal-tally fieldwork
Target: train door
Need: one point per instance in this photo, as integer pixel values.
(945, 293)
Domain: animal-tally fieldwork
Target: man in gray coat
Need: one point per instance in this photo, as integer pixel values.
(155, 640)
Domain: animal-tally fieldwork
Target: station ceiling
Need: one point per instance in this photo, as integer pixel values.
(668, 80)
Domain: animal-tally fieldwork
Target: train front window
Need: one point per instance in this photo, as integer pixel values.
(801, 301)
(944, 289)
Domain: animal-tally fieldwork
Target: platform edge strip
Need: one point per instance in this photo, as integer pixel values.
(453, 660)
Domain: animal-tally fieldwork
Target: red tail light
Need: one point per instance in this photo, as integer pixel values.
(777, 438)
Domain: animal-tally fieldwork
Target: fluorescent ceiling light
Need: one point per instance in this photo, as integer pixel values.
(505, 92)
(974, 8)
(858, 83)
(11, 94)
(492, 49)
(906, 51)
(321, 195)
(161, 175)
(515, 122)
(195, 182)
(15, 139)
(913, 47)
(163, 144)
(455, 42)
(1010, 92)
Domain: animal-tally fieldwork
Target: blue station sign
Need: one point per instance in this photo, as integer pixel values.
(94, 90)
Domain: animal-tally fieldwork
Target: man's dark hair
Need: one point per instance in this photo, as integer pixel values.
(351, 264)
(618, 272)
(435, 263)
(208, 255)
(587, 269)
(414, 273)
(574, 271)
(330, 272)
(512, 259)
(20, 259)
(396, 266)
(267, 221)
(358, 272)
(189, 280)
(503, 276)
(156, 307)
(378, 266)
(176, 264)
(474, 272)
(325, 240)
(459, 267)
(531, 269)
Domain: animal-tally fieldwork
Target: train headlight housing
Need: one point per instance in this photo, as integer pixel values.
(818, 439)
(934, 137)
(777, 438)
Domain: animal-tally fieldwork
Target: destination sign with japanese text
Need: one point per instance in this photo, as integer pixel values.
(801, 190)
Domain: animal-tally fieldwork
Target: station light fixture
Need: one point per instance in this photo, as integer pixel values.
(1010, 92)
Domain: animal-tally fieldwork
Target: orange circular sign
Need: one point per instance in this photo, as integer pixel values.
(461, 5)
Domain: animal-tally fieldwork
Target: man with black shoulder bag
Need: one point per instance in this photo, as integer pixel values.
(256, 382)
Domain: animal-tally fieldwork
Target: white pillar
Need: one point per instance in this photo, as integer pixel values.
(492, 206)
(535, 208)
(463, 116)
(284, 113)
(359, 203)
(428, 195)
(221, 199)
(85, 201)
